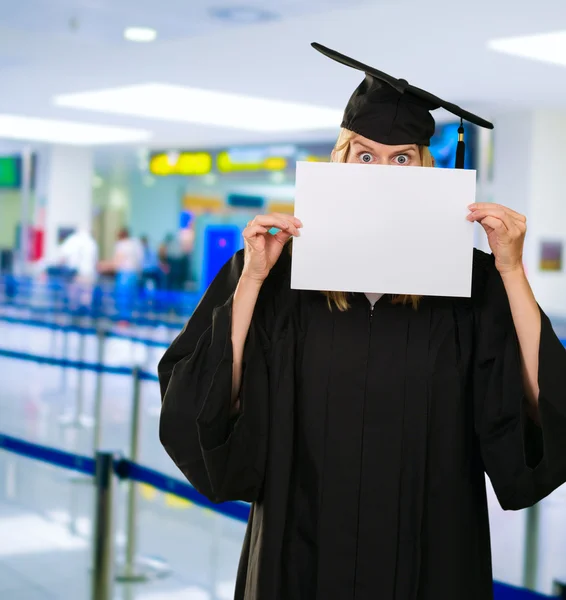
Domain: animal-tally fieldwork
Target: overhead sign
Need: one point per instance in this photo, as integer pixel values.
(237, 160)
(180, 163)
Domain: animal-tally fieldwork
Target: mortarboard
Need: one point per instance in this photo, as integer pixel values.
(391, 111)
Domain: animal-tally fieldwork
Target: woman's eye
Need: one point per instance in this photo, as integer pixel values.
(366, 157)
(402, 159)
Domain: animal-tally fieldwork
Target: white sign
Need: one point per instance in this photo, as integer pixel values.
(383, 229)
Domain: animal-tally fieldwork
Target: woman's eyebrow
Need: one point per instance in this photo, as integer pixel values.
(362, 145)
(405, 150)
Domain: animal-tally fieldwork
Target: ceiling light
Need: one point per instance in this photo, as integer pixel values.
(546, 47)
(140, 34)
(66, 132)
(190, 105)
(243, 14)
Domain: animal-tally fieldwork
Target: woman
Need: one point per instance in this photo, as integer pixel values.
(361, 427)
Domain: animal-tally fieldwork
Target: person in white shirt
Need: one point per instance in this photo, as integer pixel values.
(76, 260)
(79, 254)
(128, 253)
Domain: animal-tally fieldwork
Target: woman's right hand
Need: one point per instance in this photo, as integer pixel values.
(262, 249)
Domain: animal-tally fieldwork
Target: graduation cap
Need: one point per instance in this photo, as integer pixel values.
(394, 112)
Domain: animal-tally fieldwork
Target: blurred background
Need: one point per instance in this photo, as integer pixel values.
(136, 141)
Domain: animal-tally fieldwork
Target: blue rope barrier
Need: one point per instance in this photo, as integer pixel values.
(65, 362)
(83, 330)
(146, 376)
(126, 469)
(52, 456)
(503, 591)
(140, 340)
(47, 325)
(139, 321)
(62, 284)
(130, 470)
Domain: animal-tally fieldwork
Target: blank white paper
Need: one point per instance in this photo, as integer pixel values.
(383, 229)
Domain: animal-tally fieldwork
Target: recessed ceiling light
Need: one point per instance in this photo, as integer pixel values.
(140, 34)
(243, 14)
(67, 132)
(190, 105)
(546, 47)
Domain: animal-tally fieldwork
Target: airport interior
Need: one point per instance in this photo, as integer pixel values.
(139, 143)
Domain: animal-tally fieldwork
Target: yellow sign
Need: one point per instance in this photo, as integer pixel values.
(181, 163)
(272, 163)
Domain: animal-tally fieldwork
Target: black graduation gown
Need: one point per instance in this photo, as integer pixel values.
(363, 437)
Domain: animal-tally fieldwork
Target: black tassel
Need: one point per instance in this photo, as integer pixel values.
(461, 148)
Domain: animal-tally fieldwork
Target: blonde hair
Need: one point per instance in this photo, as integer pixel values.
(340, 154)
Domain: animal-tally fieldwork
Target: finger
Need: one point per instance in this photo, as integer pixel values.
(297, 222)
(272, 221)
(487, 205)
(500, 215)
(494, 223)
(492, 211)
(278, 222)
(253, 231)
(282, 237)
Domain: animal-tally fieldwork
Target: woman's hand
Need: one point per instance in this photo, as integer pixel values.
(505, 230)
(262, 249)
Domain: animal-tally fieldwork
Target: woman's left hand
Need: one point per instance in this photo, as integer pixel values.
(505, 230)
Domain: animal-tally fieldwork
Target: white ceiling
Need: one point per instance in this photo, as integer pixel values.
(50, 47)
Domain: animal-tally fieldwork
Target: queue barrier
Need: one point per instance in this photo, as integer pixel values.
(82, 330)
(124, 469)
(86, 313)
(100, 297)
(107, 467)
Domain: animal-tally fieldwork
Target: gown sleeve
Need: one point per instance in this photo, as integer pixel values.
(524, 460)
(221, 453)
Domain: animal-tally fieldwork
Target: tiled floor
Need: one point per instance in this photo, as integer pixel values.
(46, 514)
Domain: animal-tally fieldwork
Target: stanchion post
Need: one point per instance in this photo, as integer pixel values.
(79, 408)
(78, 418)
(65, 355)
(100, 343)
(103, 534)
(136, 569)
(131, 532)
(530, 567)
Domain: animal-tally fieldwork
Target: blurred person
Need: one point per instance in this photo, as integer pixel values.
(174, 257)
(151, 265)
(75, 265)
(126, 266)
(78, 256)
(361, 426)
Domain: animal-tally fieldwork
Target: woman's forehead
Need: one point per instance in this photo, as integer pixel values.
(378, 147)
